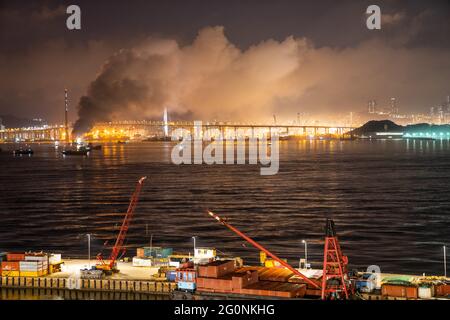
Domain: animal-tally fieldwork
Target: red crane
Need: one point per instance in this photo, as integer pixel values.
(260, 247)
(334, 277)
(110, 265)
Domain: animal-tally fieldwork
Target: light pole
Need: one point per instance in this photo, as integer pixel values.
(194, 237)
(306, 253)
(445, 261)
(89, 249)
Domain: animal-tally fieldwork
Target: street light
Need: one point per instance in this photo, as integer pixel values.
(194, 237)
(445, 261)
(89, 249)
(306, 253)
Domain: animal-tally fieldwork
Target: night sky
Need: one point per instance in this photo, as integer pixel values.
(221, 59)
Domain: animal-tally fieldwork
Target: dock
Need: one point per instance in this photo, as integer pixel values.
(128, 280)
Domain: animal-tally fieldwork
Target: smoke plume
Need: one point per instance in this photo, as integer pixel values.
(212, 79)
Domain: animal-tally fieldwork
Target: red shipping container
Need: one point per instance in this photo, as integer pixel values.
(442, 290)
(14, 256)
(214, 284)
(399, 291)
(10, 266)
(242, 280)
(216, 269)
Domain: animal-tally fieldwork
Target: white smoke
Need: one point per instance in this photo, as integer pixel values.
(213, 79)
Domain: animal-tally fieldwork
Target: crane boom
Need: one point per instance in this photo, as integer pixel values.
(260, 247)
(123, 229)
(126, 222)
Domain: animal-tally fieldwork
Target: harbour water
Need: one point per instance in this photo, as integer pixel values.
(389, 199)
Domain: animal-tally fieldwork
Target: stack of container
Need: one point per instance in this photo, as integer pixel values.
(11, 267)
(152, 257)
(18, 264)
(32, 268)
(34, 265)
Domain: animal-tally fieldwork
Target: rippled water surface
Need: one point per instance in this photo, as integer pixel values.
(390, 201)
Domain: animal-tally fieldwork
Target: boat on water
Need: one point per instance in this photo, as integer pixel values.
(27, 151)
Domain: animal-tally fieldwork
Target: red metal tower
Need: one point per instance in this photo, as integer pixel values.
(334, 279)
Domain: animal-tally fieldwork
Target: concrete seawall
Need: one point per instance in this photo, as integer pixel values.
(103, 285)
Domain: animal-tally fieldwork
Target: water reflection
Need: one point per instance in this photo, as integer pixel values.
(390, 201)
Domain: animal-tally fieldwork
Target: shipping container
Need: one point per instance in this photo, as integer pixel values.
(282, 290)
(216, 268)
(215, 284)
(32, 273)
(426, 292)
(142, 262)
(36, 257)
(54, 258)
(442, 290)
(10, 273)
(399, 291)
(10, 266)
(156, 252)
(242, 280)
(171, 275)
(15, 256)
(32, 265)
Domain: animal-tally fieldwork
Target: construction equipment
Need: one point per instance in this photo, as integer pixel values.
(260, 247)
(109, 266)
(334, 278)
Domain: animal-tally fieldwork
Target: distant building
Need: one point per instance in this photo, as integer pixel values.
(394, 108)
(372, 105)
(2, 127)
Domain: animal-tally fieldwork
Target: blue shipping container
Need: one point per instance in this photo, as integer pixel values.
(188, 286)
(157, 252)
(171, 276)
